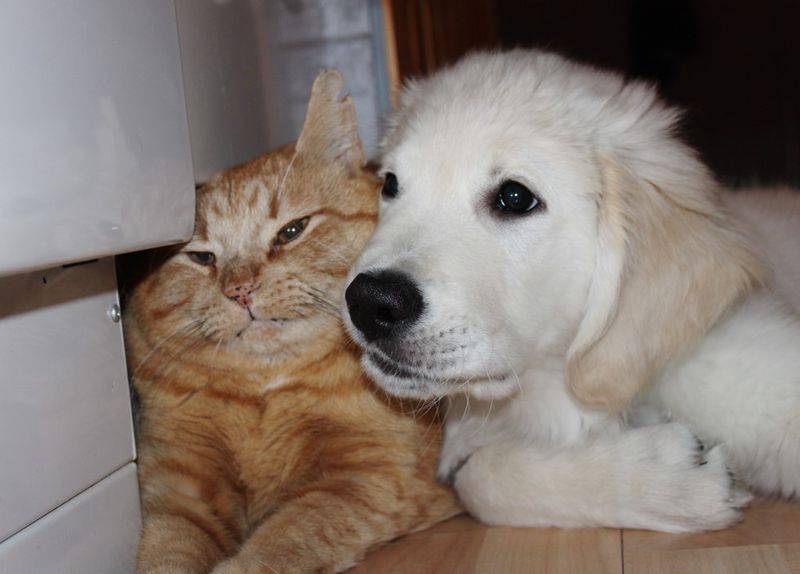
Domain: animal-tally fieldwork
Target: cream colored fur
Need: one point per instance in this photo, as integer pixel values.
(584, 346)
(670, 264)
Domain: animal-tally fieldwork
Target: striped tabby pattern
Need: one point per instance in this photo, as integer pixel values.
(262, 446)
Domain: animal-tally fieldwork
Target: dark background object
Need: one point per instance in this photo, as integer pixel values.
(731, 65)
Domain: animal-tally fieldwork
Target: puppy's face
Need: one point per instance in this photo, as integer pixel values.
(538, 212)
(484, 251)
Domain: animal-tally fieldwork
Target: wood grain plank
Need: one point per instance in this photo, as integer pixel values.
(766, 542)
(791, 553)
(550, 551)
(766, 521)
(764, 559)
(464, 546)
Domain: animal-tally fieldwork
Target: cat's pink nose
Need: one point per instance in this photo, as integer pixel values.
(241, 292)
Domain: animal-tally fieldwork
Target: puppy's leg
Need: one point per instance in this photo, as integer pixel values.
(655, 478)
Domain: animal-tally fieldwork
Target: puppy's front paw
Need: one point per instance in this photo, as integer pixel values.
(495, 486)
(474, 482)
(676, 484)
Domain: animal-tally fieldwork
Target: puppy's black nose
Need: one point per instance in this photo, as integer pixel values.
(381, 304)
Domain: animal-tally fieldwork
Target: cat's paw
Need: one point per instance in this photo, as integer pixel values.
(239, 565)
(253, 564)
(674, 484)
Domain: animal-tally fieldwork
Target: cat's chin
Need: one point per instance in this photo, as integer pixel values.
(276, 335)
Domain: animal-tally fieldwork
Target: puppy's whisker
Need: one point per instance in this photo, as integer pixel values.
(489, 411)
(511, 368)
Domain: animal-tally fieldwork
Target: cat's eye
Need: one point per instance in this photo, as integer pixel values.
(291, 231)
(202, 257)
(516, 199)
(390, 186)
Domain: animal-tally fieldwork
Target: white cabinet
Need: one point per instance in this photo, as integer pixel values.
(94, 152)
(65, 418)
(95, 161)
(94, 533)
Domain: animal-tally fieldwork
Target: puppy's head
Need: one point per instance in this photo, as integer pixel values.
(538, 212)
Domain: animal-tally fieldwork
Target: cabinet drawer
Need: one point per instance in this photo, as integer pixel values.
(65, 419)
(95, 146)
(94, 533)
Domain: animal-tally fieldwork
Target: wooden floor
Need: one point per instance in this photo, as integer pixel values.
(767, 541)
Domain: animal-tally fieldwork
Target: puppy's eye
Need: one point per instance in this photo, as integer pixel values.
(513, 197)
(291, 231)
(390, 187)
(202, 257)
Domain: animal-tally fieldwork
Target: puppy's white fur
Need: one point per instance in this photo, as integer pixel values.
(632, 291)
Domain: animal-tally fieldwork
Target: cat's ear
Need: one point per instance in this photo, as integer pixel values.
(330, 132)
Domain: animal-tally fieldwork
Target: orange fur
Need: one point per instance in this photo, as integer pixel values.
(262, 446)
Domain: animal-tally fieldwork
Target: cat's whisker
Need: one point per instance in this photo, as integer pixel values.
(319, 299)
(216, 349)
(286, 173)
(432, 428)
(324, 309)
(179, 350)
(319, 296)
(187, 327)
(348, 261)
(315, 292)
(430, 438)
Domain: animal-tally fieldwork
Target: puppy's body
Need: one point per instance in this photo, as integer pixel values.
(626, 285)
(772, 218)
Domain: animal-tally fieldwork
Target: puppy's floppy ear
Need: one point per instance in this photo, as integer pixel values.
(330, 130)
(670, 263)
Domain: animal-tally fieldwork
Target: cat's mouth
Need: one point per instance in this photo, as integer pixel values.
(273, 321)
(269, 321)
(257, 323)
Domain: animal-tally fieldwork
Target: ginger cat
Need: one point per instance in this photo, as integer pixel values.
(262, 446)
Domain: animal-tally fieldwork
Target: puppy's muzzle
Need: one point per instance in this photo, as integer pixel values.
(383, 303)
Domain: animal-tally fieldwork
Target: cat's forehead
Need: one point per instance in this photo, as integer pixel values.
(238, 198)
(254, 187)
(248, 190)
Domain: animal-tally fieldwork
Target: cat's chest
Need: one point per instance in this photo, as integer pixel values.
(288, 441)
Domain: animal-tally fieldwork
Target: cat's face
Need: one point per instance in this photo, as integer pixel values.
(263, 274)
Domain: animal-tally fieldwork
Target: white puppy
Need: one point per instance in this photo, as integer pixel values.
(551, 258)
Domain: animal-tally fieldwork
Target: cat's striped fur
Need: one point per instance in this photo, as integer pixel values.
(262, 446)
